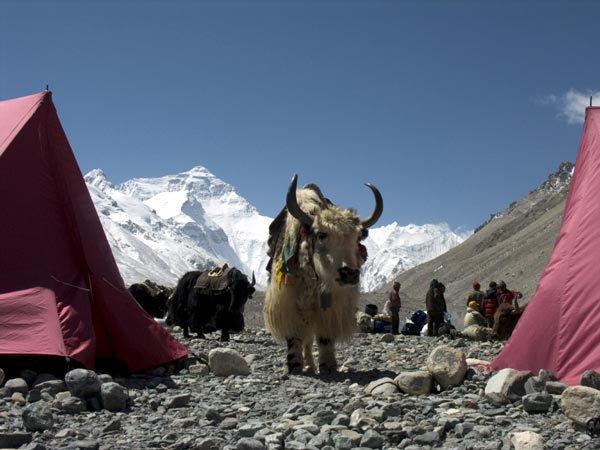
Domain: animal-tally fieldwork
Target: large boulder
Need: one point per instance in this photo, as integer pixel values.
(508, 383)
(226, 361)
(580, 404)
(447, 365)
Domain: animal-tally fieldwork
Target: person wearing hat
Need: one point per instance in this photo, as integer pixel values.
(476, 295)
(435, 303)
(392, 307)
(505, 295)
(475, 324)
(489, 304)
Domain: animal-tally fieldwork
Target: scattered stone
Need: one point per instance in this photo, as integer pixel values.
(16, 385)
(581, 403)
(537, 402)
(590, 378)
(38, 417)
(83, 383)
(508, 382)
(226, 361)
(14, 440)
(447, 365)
(383, 386)
(415, 383)
(527, 440)
(194, 409)
(114, 396)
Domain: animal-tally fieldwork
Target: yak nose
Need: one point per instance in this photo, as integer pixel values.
(349, 275)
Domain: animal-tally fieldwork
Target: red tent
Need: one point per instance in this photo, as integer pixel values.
(61, 293)
(559, 329)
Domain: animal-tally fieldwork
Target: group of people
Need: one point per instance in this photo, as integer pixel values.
(481, 308)
(435, 305)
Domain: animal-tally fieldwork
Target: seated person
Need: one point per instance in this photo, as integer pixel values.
(475, 324)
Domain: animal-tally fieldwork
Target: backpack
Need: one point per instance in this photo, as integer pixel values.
(419, 318)
(410, 329)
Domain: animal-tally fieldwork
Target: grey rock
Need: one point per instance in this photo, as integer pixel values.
(14, 440)
(226, 361)
(447, 365)
(372, 439)
(382, 386)
(71, 405)
(508, 382)
(415, 383)
(178, 401)
(537, 402)
(591, 378)
(53, 387)
(33, 446)
(210, 443)
(114, 396)
(581, 403)
(555, 387)
(83, 383)
(16, 385)
(38, 417)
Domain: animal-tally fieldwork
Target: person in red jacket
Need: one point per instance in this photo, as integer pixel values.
(505, 295)
(490, 303)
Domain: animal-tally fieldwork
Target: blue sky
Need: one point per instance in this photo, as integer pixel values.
(452, 109)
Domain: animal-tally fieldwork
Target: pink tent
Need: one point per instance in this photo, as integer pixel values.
(559, 330)
(61, 293)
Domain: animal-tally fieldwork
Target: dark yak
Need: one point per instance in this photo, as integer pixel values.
(209, 301)
(153, 297)
(505, 320)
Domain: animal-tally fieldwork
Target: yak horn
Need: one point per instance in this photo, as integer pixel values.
(291, 203)
(253, 279)
(376, 214)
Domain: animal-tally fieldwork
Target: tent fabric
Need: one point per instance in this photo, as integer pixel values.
(559, 329)
(31, 312)
(52, 240)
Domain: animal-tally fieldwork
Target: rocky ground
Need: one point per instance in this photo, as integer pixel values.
(261, 408)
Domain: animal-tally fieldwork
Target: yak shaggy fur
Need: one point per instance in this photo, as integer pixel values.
(294, 310)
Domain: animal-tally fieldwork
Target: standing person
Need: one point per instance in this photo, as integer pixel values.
(436, 306)
(490, 303)
(476, 295)
(395, 304)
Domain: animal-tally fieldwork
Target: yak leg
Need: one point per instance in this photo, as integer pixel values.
(327, 361)
(224, 334)
(186, 332)
(309, 360)
(294, 355)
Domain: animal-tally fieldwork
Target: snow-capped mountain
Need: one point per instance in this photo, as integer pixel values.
(159, 228)
(394, 249)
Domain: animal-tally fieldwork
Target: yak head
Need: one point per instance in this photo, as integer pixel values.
(329, 250)
(240, 291)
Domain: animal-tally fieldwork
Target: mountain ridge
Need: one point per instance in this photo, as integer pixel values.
(159, 228)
